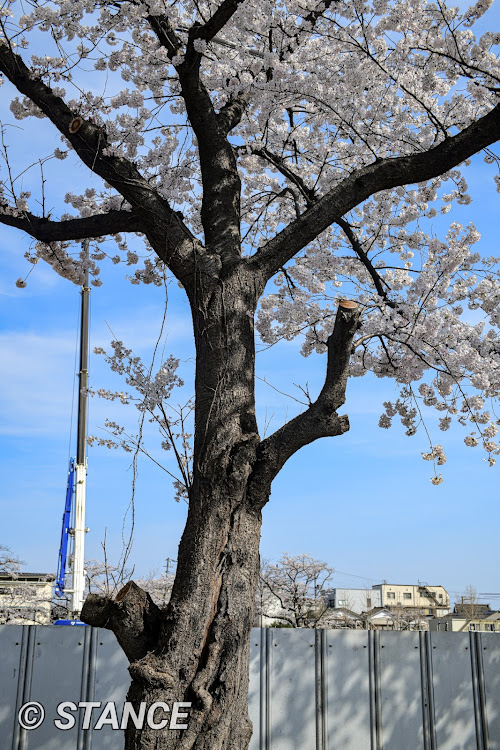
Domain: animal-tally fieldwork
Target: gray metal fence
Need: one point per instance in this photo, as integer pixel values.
(309, 690)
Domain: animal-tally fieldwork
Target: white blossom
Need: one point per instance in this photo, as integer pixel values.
(361, 83)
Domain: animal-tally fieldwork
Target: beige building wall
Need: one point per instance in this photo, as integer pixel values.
(25, 600)
(430, 599)
(454, 624)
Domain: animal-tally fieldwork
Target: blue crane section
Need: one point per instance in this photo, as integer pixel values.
(66, 522)
(63, 549)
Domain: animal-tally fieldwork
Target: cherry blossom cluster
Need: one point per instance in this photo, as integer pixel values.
(436, 321)
(326, 88)
(414, 70)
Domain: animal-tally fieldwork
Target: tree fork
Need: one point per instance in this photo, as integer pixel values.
(321, 418)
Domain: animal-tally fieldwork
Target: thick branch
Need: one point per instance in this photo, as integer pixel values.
(311, 198)
(90, 142)
(362, 183)
(217, 22)
(88, 139)
(321, 418)
(99, 225)
(166, 35)
(133, 617)
(230, 114)
(220, 207)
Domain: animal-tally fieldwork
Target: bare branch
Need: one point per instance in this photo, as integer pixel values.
(365, 260)
(383, 174)
(282, 167)
(321, 418)
(311, 198)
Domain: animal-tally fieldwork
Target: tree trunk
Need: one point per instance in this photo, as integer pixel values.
(197, 650)
(202, 650)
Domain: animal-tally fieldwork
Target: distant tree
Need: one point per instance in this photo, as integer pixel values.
(9, 563)
(158, 585)
(106, 580)
(292, 591)
(101, 577)
(470, 604)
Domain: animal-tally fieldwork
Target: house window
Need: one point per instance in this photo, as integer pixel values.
(391, 595)
(406, 596)
(342, 602)
(472, 626)
(440, 596)
(368, 601)
(489, 626)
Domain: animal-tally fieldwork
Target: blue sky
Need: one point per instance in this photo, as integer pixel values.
(362, 502)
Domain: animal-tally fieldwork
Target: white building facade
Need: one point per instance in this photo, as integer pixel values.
(426, 599)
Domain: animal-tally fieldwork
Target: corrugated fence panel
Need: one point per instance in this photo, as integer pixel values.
(13, 646)
(291, 704)
(347, 690)
(491, 667)
(400, 690)
(257, 687)
(453, 691)
(58, 657)
(309, 690)
(111, 683)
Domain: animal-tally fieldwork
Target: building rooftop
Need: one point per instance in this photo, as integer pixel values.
(385, 583)
(25, 576)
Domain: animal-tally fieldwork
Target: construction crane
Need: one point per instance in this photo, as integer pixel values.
(71, 551)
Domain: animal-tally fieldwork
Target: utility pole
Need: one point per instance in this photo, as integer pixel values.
(167, 569)
(167, 565)
(78, 532)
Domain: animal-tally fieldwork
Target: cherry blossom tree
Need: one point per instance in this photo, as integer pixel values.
(9, 563)
(282, 161)
(292, 591)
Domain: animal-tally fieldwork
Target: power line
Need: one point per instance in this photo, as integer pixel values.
(353, 575)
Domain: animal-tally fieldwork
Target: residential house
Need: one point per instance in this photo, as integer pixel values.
(419, 598)
(483, 620)
(25, 598)
(382, 618)
(357, 600)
